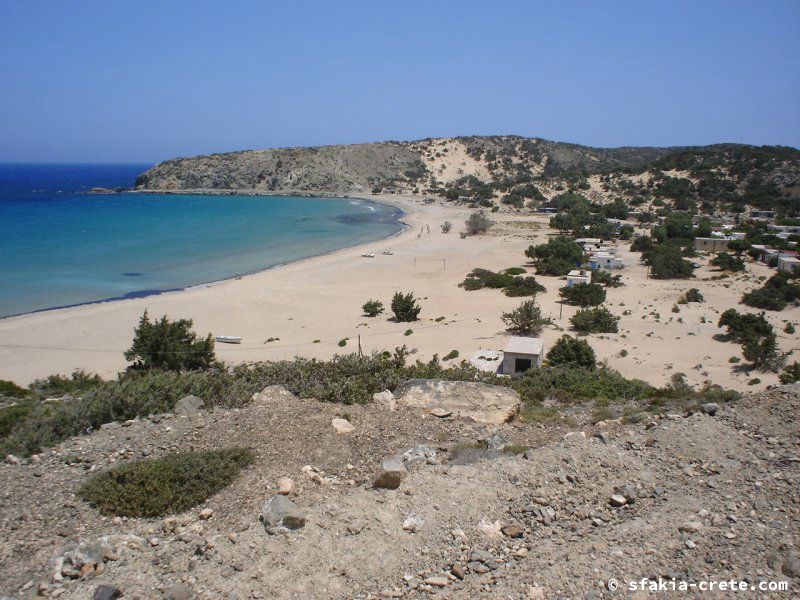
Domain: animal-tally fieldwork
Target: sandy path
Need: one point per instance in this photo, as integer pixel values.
(320, 299)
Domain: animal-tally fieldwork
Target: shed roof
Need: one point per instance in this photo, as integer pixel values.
(524, 345)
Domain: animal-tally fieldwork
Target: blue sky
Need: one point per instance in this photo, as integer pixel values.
(115, 81)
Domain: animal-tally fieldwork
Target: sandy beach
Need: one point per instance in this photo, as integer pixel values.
(309, 306)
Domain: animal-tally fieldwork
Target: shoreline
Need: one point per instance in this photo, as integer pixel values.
(397, 216)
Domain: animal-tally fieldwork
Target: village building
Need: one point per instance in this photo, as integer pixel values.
(712, 244)
(604, 260)
(521, 354)
(788, 264)
(577, 276)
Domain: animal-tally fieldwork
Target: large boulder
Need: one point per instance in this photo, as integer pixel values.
(189, 405)
(391, 473)
(480, 402)
(279, 515)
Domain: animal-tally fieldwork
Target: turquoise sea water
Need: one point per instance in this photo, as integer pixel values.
(60, 246)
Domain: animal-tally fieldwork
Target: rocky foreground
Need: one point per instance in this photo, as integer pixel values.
(371, 502)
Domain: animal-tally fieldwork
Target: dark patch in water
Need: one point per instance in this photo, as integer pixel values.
(302, 219)
(141, 294)
(132, 274)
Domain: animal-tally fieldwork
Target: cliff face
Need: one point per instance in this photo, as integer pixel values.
(510, 169)
(345, 168)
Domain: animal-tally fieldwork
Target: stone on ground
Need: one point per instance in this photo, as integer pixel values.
(480, 402)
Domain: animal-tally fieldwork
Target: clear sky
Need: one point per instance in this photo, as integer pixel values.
(146, 80)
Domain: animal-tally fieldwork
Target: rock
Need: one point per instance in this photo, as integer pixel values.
(417, 455)
(413, 523)
(441, 413)
(270, 394)
(492, 531)
(602, 436)
(189, 405)
(343, 426)
(279, 515)
(690, 526)
(710, 408)
(535, 593)
(356, 527)
(11, 459)
(177, 591)
(497, 442)
(285, 486)
(438, 581)
(391, 474)
(479, 402)
(791, 566)
(514, 530)
(627, 492)
(106, 592)
(385, 399)
(617, 500)
(458, 570)
(529, 454)
(206, 514)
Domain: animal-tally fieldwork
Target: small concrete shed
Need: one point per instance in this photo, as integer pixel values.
(521, 354)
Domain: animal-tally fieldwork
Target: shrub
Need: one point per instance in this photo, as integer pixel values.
(584, 294)
(58, 385)
(405, 307)
(526, 319)
(762, 352)
(557, 257)
(9, 389)
(450, 355)
(372, 308)
(446, 227)
(754, 381)
(790, 373)
(572, 351)
(523, 286)
(342, 342)
(173, 346)
(666, 262)
(741, 326)
(607, 279)
(514, 271)
(594, 320)
(168, 485)
(728, 262)
(477, 223)
(778, 291)
(789, 329)
(691, 295)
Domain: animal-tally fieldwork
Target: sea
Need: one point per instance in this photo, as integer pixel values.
(62, 246)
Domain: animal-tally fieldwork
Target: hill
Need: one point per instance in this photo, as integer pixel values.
(513, 170)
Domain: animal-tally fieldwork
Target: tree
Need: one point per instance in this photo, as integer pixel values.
(691, 295)
(790, 374)
(564, 222)
(584, 294)
(778, 291)
(477, 223)
(405, 307)
(168, 345)
(762, 352)
(607, 279)
(446, 227)
(557, 257)
(667, 262)
(741, 326)
(594, 320)
(642, 244)
(728, 262)
(570, 351)
(526, 319)
(372, 308)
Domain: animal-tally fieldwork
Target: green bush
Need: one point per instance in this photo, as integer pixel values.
(163, 344)
(372, 308)
(536, 384)
(514, 271)
(405, 307)
(789, 329)
(584, 294)
(691, 295)
(594, 320)
(512, 285)
(58, 385)
(605, 278)
(526, 319)
(790, 373)
(778, 292)
(667, 262)
(728, 262)
(741, 326)
(9, 389)
(572, 352)
(557, 257)
(523, 286)
(168, 485)
(450, 355)
(477, 223)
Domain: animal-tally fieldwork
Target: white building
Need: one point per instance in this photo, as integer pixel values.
(578, 276)
(788, 264)
(604, 260)
(521, 354)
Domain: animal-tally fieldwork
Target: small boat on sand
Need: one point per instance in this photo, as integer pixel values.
(387, 252)
(368, 255)
(229, 339)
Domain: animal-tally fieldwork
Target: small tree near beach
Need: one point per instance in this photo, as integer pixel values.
(526, 319)
(477, 223)
(372, 308)
(446, 227)
(168, 345)
(405, 307)
(572, 352)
